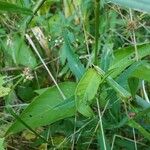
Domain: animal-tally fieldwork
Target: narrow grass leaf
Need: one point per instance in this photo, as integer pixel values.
(137, 126)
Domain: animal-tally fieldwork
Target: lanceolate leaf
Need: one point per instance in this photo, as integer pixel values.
(86, 91)
(126, 56)
(74, 63)
(47, 108)
(140, 5)
(5, 6)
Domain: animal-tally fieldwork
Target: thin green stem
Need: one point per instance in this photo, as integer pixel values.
(97, 23)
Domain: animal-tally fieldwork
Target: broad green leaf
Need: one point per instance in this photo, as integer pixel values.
(86, 91)
(74, 63)
(2, 144)
(47, 108)
(133, 85)
(126, 56)
(5, 6)
(143, 50)
(142, 72)
(140, 5)
(137, 126)
(21, 54)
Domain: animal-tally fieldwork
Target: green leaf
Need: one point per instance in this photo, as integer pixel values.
(74, 63)
(41, 91)
(19, 51)
(2, 80)
(137, 126)
(123, 77)
(5, 6)
(86, 91)
(47, 108)
(133, 85)
(106, 56)
(143, 72)
(121, 91)
(140, 5)
(2, 143)
(126, 56)
(3, 90)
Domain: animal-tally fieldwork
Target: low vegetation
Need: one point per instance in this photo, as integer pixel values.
(74, 74)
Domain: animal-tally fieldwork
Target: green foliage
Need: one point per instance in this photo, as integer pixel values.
(3, 90)
(86, 91)
(143, 5)
(139, 73)
(74, 63)
(90, 87)
(126, 57)
(47, 108)
(2, 143)
(133, 85)
(9, 7)
(19, 52)
(137, 126)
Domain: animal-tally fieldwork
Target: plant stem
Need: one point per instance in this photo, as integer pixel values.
(97, 22)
